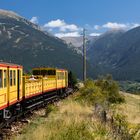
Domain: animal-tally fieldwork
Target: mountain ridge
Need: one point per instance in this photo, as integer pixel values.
(22, 42)
(117, 53)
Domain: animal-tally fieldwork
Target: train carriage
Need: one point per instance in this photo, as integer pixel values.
(53, 78)
(10, 85)
(18, 92)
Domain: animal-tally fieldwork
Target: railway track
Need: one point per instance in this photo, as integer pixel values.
(6, 124)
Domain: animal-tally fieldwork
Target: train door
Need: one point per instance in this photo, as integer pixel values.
(12, 85)
(3, 88)
(19, 84)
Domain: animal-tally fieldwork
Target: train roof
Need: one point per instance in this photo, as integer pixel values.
(4, 64)
(48, 68)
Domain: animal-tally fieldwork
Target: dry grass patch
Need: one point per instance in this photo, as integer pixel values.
(131, 108)
(70, 121)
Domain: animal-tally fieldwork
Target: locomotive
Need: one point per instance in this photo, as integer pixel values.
(19, 92)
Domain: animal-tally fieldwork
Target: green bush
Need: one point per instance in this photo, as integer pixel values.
(103, 90)
(90, 93)
(110, 89)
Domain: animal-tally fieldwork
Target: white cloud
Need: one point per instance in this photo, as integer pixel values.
(70, 27)
(115, 25)
(55, 24)
(96, 27)
(95, 34)
(34, 20)
(61, 25)
(70, 34)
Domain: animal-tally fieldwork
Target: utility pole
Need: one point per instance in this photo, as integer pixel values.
(84, 55)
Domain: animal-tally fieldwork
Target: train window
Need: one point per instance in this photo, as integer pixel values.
(43, 72)
(60, 75)
(14, 77)
(51, 72)
(11, 78)
(5, 78)
(1, 81)
(36, 72)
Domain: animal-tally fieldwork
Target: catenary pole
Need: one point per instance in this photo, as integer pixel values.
(84, 55)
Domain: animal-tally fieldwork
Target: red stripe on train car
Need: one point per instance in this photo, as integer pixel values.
(10, 65)
(3, 107)
(6, 105)
(61, 87)
(35, 94)
(50, 90)
(3, 66)
(13, 102)
(14, 66)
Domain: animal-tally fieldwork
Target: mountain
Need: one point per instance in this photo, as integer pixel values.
(24, 43)
(118, 53)
(76, 43)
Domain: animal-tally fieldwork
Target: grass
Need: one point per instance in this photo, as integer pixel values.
(131, 108)
(70, 121)
(73, 120)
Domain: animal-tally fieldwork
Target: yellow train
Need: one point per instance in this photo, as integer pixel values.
(16, 90)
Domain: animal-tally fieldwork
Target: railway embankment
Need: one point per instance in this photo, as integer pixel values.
(66, 120)
(96, 111)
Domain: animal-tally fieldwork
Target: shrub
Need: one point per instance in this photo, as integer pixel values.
(103, 91)
(90, 93)
(110, 89)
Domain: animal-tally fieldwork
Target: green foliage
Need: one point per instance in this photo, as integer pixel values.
(120, 121)
(122, 128)
(135, 132)
(110, 89)
(90, 93)
(74, 132)
(100, 91)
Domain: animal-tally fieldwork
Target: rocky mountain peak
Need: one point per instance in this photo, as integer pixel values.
(11, 14)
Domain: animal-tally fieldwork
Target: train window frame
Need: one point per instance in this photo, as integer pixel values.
(60, 75)
(1, 78)
(19, 77)
(11, 77)
(5, 78)
(14, 77)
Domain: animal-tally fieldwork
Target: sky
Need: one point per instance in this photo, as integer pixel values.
(69, 17)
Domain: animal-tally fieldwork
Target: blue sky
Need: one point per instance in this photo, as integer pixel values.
(68, 17)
